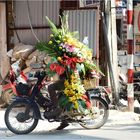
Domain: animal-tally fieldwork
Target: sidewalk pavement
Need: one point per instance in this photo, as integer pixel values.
(119, 117)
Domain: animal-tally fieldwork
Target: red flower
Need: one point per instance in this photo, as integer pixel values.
(88, 103)
(80, 60)
(72, 61)
(53, 66)
(60, 70)
(57, 68)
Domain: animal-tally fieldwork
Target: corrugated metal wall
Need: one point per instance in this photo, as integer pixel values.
(38, 11)
(85, 21)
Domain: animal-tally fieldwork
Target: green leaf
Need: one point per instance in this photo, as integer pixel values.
(75, 34)
(52, 26)
(64, 23)
(83, 107)
(53, 59)
(66, 101)
(82, 104)
(63, 100)
(78, 66)
(43, 46)
(69, 106)
(81, 68)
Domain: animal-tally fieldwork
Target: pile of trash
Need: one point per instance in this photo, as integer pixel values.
(32, 59)
(28, 54)
(23, 58)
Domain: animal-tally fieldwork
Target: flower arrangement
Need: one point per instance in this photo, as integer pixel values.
(72, 57)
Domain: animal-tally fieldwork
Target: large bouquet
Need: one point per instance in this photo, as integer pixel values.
(72, 57)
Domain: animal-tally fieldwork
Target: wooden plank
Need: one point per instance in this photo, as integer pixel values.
(4, 62)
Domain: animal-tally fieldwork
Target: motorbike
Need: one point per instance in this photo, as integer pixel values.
(31, 105)
(136, 85)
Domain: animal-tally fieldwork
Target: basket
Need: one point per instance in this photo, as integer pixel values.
(89, 83)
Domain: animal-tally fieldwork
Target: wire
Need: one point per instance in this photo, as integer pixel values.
(29, 18)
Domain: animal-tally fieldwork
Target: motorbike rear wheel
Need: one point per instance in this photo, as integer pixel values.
(98, 115)
(19, 118)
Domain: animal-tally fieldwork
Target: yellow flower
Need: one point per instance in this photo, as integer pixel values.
(51, 35)
(50, 42)
(59, 36)
(59, 59)
(72, 41)
(72, 77)
(58, 41)
(72, 99)
(74, 89)
(66, 83)
(76, 105)
(60, 48)
(66, 91)
(64, 40)
(79, 95)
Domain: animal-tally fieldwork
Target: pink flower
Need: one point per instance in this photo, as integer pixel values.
(68, 47)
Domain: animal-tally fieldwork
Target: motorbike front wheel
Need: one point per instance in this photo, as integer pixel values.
(19, 118)
(97, 116)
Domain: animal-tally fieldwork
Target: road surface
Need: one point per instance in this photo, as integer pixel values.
(120, 126)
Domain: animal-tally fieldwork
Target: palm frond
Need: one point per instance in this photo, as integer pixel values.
(64, 23)
(43, 46)
(52, 26)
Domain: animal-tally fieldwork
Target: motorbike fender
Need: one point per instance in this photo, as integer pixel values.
(33, 105)
(103, 100)
(94, 92)
(97, 94)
